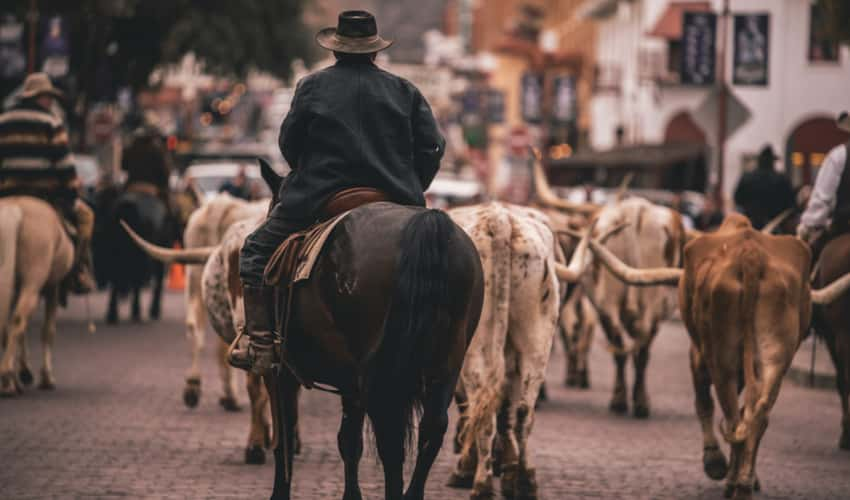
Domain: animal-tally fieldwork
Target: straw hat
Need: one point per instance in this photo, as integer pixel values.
(38, 84)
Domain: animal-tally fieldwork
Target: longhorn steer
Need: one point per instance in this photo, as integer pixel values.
(206, 227)
(745, 299)
(506, 361)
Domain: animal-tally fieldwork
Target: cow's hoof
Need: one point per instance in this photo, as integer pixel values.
(618, 407)
(743, 492)
(8, 386)
(46, 385)
(641, 411)
(25, 376)
(729, 490)
(583, 380)
(526, 485)
(229, 403)
(154, 314)
(714, 463)
(192, 392)
(483, 491)
(255, 455)
(111, 319)
(757, 485)
(460, 479)
(510, 476)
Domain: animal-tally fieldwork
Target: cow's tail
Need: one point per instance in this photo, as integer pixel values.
(10, 222)
(421, 307)
(751, 262)
(486, 391)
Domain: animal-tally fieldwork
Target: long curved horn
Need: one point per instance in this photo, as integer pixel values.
(771, 226)
(634, 276)
(831, 291)
(548, 197)
(624, 186)
(186, 256)
(579, 260)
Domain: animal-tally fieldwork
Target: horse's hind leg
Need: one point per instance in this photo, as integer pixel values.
(137, 305)
(48, 332)
(227, 372)
(27, 301)
(156, 293)
(432, 429)
(112, 309)
(24, 372)
(388, 423)
(350, 441)
(258, 436)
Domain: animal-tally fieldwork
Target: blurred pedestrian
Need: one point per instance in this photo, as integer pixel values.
(238, 187)
(764, 193)
(36, 160)
(828, 210)
(351, 125)
(710, 217)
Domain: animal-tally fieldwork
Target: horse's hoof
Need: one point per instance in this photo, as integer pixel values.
(228, 403)
(154, 314)
(757, 485)
(112, 320)
(25, 376)
(255, 455)
(844, 440)
(583, 380)
(46, 385)
(618, 407)
(192, 393)
(641, 411)
(460, 480)
(729, 490)
(714, 463)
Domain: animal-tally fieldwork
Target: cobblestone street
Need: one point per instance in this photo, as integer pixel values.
(116, 426)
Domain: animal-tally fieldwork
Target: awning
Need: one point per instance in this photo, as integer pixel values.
(669, 25)
(596, 9)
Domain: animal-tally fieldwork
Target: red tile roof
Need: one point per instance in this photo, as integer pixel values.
(669, 25)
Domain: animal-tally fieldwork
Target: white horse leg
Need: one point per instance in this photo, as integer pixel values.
(48, 332)
(27, 301)
(195, 324)
(24, 371)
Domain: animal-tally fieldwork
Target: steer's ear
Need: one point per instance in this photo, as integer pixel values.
(270, 176)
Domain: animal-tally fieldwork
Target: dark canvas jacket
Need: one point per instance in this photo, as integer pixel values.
(763, 194)
(355, 125)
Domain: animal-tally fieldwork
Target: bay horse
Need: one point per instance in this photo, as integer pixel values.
(386, 319)
(36, 254)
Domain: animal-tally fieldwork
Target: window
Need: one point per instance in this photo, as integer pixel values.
(822, 48)
(674, 57)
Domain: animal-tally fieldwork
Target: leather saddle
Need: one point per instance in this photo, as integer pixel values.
(294, 259)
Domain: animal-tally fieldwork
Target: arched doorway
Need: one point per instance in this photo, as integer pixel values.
(682, 129)
(807, 145)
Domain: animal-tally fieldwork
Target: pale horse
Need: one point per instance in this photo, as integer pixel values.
(36, 254)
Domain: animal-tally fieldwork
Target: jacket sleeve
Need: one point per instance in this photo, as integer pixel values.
(428, 143)
(293, 130)
(823, 198)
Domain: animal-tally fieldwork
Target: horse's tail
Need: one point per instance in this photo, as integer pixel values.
(10, 222)
(419, 309)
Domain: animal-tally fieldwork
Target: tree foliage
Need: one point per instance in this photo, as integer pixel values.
(129, 38)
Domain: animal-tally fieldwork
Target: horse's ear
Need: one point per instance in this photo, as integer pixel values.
(270, 176)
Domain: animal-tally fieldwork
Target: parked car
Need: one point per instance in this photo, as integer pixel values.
(209, 176)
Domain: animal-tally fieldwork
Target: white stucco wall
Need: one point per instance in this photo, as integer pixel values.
(797, 89)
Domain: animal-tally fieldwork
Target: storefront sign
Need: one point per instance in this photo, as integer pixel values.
(699, 30)
(752, 32)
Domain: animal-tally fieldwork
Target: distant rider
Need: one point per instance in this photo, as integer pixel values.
(147, 163)
(36, 160)
(764, 193)
(828, 211)
(352, 125)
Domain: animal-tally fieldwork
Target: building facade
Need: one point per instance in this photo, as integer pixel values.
(785, 82)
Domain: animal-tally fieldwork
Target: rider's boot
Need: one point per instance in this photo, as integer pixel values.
(82, 275)
(259, 355)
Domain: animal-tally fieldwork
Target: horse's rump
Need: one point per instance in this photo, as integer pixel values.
(127, 266)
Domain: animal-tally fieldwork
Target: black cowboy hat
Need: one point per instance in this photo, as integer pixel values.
(356, 33)
(766, 156)
(843, 121)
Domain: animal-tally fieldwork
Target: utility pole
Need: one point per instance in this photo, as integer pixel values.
(721, 102)
(32, 17)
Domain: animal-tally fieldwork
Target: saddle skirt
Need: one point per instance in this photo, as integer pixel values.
(294, 259)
